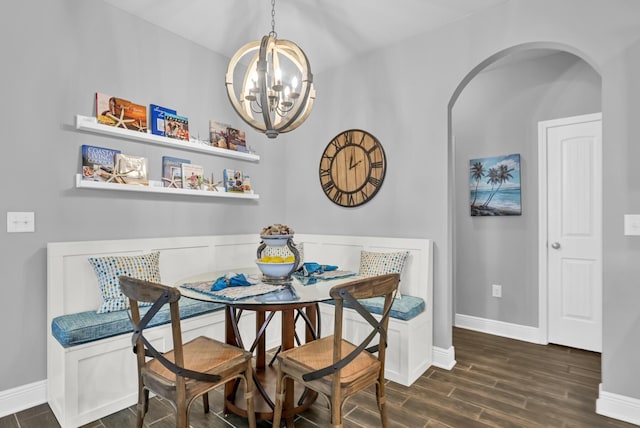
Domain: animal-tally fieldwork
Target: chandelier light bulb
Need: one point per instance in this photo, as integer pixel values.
(294, 85)
(286, 101)
(277, 85)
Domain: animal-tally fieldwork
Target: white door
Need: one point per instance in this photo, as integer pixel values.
(573, 247)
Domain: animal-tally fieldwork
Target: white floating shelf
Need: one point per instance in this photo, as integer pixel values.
(88, 123)
(156, 187)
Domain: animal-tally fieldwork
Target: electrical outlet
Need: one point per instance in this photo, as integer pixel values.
(496, 290)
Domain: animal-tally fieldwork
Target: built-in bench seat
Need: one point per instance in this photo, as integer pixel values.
(404, 309)
(88, 326)
(91, 370)
(410, 334)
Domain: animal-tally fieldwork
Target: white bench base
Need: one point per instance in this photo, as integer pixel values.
(409, 352)
(89, 381)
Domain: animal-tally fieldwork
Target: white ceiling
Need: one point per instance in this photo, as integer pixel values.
(329, 31)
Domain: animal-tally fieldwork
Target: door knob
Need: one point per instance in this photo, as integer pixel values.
(555, 245)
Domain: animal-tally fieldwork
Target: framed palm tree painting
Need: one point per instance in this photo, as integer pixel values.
(494, 186)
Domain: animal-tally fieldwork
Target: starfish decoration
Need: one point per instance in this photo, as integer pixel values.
(140, 126)
(119, 177)
(120, 120)
(109, 175)
(176, 180)
(212, 185)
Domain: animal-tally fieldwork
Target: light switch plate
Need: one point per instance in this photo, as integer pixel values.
(21, 222)
(631, 224)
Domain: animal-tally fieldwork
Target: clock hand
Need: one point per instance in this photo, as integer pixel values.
(356, 164)
(351, 162)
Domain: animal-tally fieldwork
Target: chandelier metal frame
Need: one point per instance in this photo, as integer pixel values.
(265, 102)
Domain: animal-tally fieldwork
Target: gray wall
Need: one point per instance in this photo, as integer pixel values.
(58, 53)
(498, 114)
(62, 52)
(401, 94)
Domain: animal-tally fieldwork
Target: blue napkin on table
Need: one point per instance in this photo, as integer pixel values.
(232, 280)
(313, 268)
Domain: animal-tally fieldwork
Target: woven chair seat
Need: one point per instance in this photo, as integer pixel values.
(335, 367)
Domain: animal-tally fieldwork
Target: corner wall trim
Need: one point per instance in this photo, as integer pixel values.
(618, 406)
(444, 358)
(22, 397)
(500, 328)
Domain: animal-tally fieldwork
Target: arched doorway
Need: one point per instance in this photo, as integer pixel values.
(494, 111)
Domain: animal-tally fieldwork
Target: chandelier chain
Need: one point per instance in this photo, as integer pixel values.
(273, 20)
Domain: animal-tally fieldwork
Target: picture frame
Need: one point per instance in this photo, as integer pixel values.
(494, 186)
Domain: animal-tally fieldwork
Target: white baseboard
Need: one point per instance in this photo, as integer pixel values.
(500, 328)
(618, 407)
(22, 397)
(444, 358)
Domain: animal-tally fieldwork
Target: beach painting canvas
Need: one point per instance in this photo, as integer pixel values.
(494, 185)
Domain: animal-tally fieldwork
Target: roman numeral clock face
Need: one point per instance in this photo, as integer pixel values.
(352, 168)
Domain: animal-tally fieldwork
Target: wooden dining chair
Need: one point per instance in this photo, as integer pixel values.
(335, 367)
(188, 371)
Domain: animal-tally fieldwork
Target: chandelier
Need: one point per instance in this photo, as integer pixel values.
(276, 94)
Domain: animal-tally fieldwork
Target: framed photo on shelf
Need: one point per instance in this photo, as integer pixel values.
(236, 140)
(218, 134)
(172, 171)
(192, 176)
(176, 126)
(131, 169)
(233, 180)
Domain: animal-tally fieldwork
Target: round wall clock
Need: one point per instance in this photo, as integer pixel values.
(352, 168)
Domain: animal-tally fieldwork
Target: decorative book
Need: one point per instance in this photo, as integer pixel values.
(236, 140)
(233, 180)
(172, 171)
(131, 170)
(157, 118)
(192, 176)
(246, 184)
(97, 163)
(120, 113)
(176, 126)
(218, 134)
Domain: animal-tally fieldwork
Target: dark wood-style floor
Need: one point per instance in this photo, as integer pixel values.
(497, 382)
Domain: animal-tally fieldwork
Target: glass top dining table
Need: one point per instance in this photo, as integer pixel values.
(294, 300)
(300, 290)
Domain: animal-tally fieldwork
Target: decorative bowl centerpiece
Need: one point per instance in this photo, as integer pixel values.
(277, 269)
